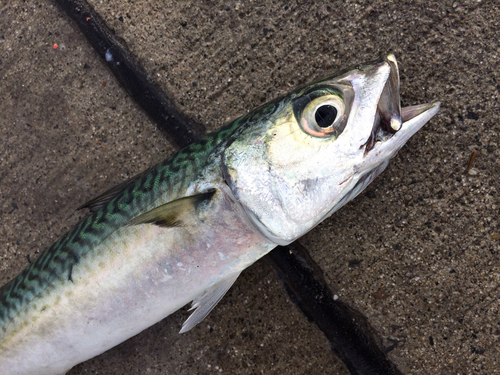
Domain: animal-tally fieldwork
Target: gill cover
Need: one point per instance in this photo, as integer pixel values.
(322, 145)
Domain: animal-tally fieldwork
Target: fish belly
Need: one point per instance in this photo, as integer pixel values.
(137, 276)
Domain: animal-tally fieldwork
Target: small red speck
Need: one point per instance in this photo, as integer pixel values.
(86, 19)
(344, 181)
(55, 46)
(103, 84)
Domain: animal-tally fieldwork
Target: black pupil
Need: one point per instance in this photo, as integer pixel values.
(325, 116)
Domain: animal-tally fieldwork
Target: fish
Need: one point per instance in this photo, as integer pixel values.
(183, 230)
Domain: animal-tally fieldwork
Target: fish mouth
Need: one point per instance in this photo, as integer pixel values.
(390, 118)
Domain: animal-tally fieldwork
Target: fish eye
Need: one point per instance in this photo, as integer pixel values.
(321, 113)
(325, 115)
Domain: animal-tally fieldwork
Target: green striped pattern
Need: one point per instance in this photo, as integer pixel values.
(55, 265)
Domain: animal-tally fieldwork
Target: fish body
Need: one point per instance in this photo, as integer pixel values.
(184, 230)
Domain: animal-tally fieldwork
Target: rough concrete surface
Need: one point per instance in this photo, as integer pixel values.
(417, 253)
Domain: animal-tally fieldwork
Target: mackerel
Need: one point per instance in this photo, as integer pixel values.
(184, 230)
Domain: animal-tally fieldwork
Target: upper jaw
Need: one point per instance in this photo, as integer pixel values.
(391, 119)
(389, 105)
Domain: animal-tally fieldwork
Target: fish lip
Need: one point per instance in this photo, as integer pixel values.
(409, 113)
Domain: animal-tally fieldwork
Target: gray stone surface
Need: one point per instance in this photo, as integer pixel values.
(417, 253)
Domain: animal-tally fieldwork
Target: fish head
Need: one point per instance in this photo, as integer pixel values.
(300, 158)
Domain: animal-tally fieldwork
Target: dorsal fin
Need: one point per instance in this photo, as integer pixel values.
(206, 301)
(174, 213)
(102, 199)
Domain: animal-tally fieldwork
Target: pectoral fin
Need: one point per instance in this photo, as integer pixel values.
(175, 213)
(206, 301)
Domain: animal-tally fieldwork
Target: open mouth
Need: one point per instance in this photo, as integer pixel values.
(390, 117)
